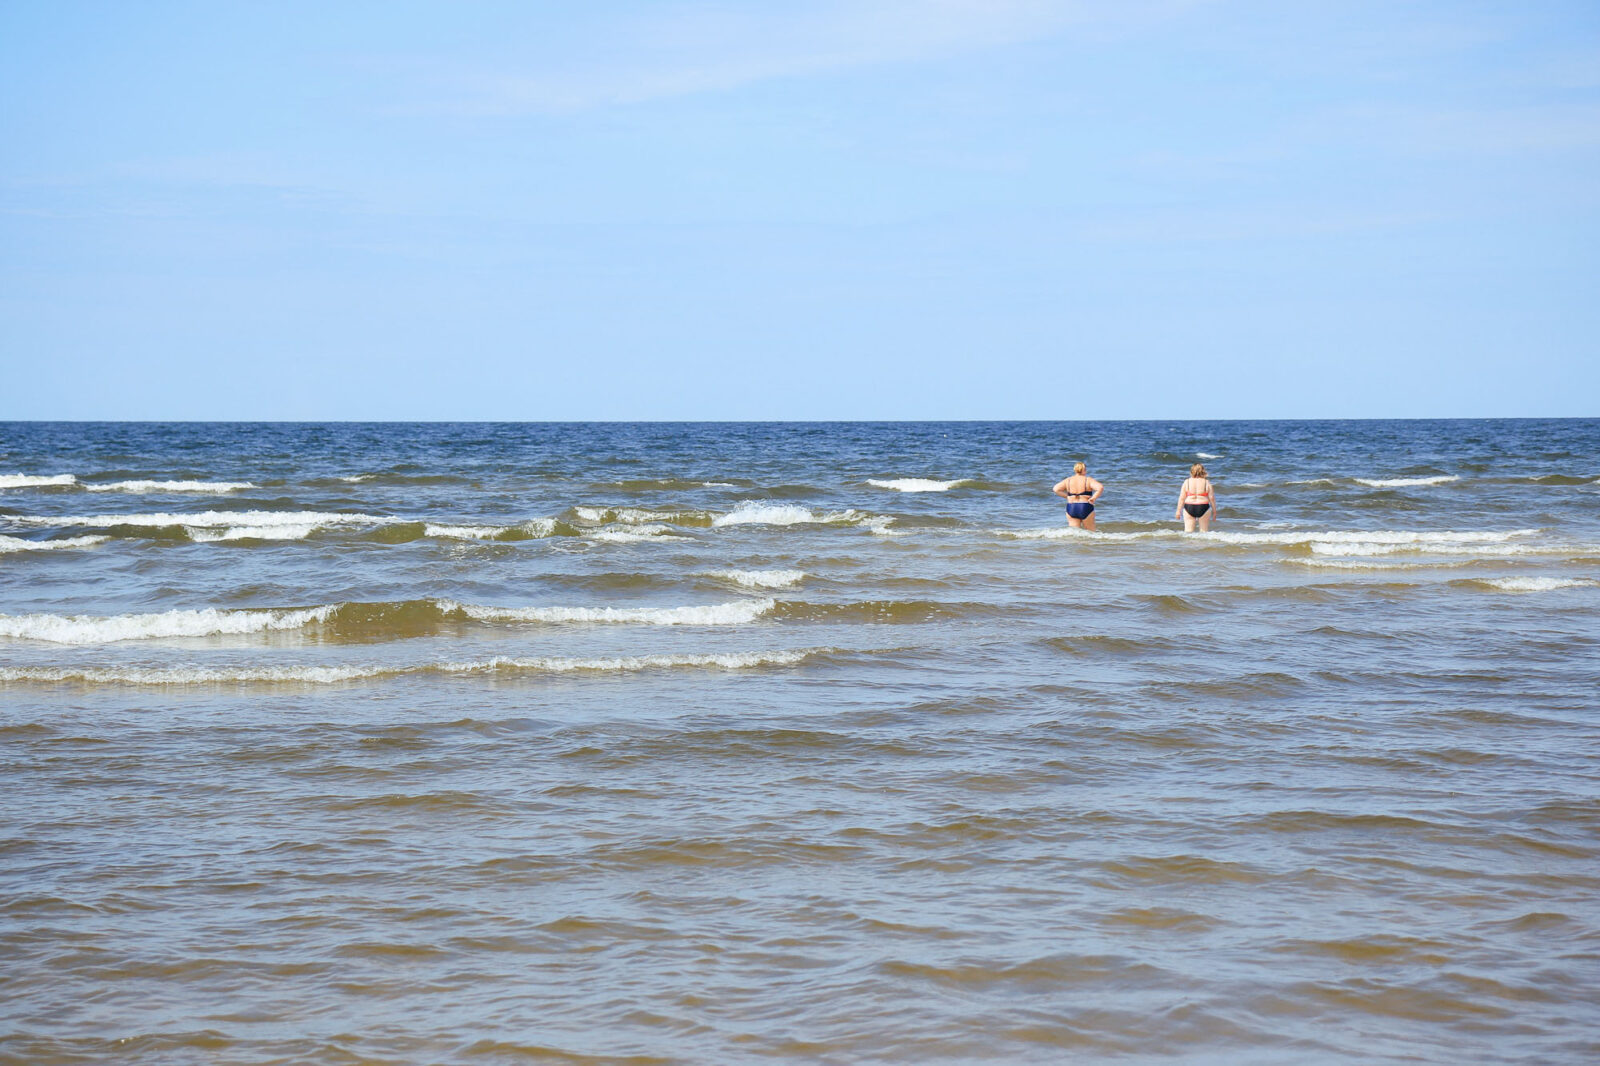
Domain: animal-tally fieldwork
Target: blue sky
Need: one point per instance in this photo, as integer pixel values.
(803, 210)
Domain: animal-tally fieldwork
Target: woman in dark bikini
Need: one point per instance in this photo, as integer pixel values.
(1080, 491)
(1197, 500)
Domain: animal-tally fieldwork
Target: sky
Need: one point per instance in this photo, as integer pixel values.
(814, 209)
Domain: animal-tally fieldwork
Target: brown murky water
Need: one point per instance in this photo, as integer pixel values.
(656, 744)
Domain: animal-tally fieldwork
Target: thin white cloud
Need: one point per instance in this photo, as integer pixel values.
(712, 48)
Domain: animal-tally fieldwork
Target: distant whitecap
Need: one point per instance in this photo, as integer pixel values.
(1405, 482)
(214, 487)
(33, 481)
(917, 484)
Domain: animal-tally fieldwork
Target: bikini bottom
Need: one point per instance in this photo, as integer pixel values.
(1080, 511)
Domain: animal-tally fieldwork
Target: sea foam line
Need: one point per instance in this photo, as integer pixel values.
(1404, 482)
(760, 579)
(106, 629)
(1442, 539)
(639, 516)
(141, 485)
(214, 487)
(210, 621)
(1533, 584)
(324, 675)
(715, 614)
(18, 544)
(32, 481)
(205, 519)
(638, 533)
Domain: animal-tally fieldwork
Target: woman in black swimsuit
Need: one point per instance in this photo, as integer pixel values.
(1080, 491)
(1197, 500)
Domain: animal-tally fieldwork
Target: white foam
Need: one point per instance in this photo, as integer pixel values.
(285, 532)
(761, 579)
(646, 532)
(1375, 536)
(917, 484)
(17, 544)
(1402, 482)
(534, 527)
(1206, 455)
(1350, 564)
(324, 675)
(1441, 539)
(714, 614)
(1360, 548)
(94, 629)
(766, 513)
(756, 512)
(1057, 533)
(1450, 547)
(205, 519)
(33, 481)
(463, 532)
(880, 523)
(632, 515)
(1535, 584)
(353, 478)
(216, 487)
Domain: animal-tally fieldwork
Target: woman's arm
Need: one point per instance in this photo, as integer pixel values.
(1098, 489)
(1061, 487)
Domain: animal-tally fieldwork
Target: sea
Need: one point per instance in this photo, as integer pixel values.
(827, 743)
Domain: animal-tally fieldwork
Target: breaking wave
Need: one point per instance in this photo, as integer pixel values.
(716, 614)
(450, 532)
(1378, 541)
(205, 519)
(95, 629)
(33, 481)
(1405, 482)
(1206, 455)
(917, 484)
(216, 487)
(632, 516)
(271, 532)
(765, 513)
(653, 531)
(1533, 584)
(17, 544)
(354, 620)
(380, 621)
(325, 675)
